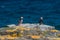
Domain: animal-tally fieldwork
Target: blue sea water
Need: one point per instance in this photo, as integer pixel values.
(31, 10)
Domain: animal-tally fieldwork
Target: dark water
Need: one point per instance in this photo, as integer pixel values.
(31, 10)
